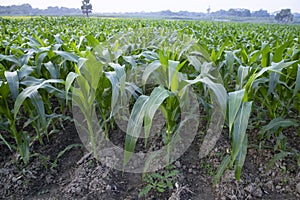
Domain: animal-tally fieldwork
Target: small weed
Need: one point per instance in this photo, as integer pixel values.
(159, 181)
(207, 168)
(90, 163)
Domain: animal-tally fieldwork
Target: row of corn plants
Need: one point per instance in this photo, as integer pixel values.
(104, 63)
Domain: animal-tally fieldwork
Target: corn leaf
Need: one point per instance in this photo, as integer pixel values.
(172, 75)
(67, 56)
(156, 98)
(278, 156)
(54, 73)
(69, 80)
(278, 55)
(277, 123)
(13, 82)
(224, 164)
(240, 159)
(239, 130)
(24, 71)
(149, 70)
(10, 58)
(32, 93)
(297, 86)
(234, 103)
(134, 127)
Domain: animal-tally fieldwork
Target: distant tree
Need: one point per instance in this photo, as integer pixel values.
(208, 10)
(52, 10)
(220, 13)
(284, 16)
(86, 7)
(239, 12)
(260, 13)
(26, 9)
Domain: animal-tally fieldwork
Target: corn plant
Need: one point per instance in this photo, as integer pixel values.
(170, 97)
(239, 109)
(114, 61)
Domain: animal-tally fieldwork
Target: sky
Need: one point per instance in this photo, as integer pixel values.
(158, 5)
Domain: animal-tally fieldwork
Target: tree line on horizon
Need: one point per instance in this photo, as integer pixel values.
(27, 10)
(284, 15)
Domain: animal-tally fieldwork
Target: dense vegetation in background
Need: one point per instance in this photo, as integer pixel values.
(26, 9)
(259, 65)
(233, 14)
(284, 16)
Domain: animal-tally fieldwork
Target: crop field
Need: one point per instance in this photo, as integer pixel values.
(228, 91)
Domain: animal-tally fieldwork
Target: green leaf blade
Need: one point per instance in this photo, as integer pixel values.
(13, 82)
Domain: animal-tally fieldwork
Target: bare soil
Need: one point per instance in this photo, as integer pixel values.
(78, 175)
